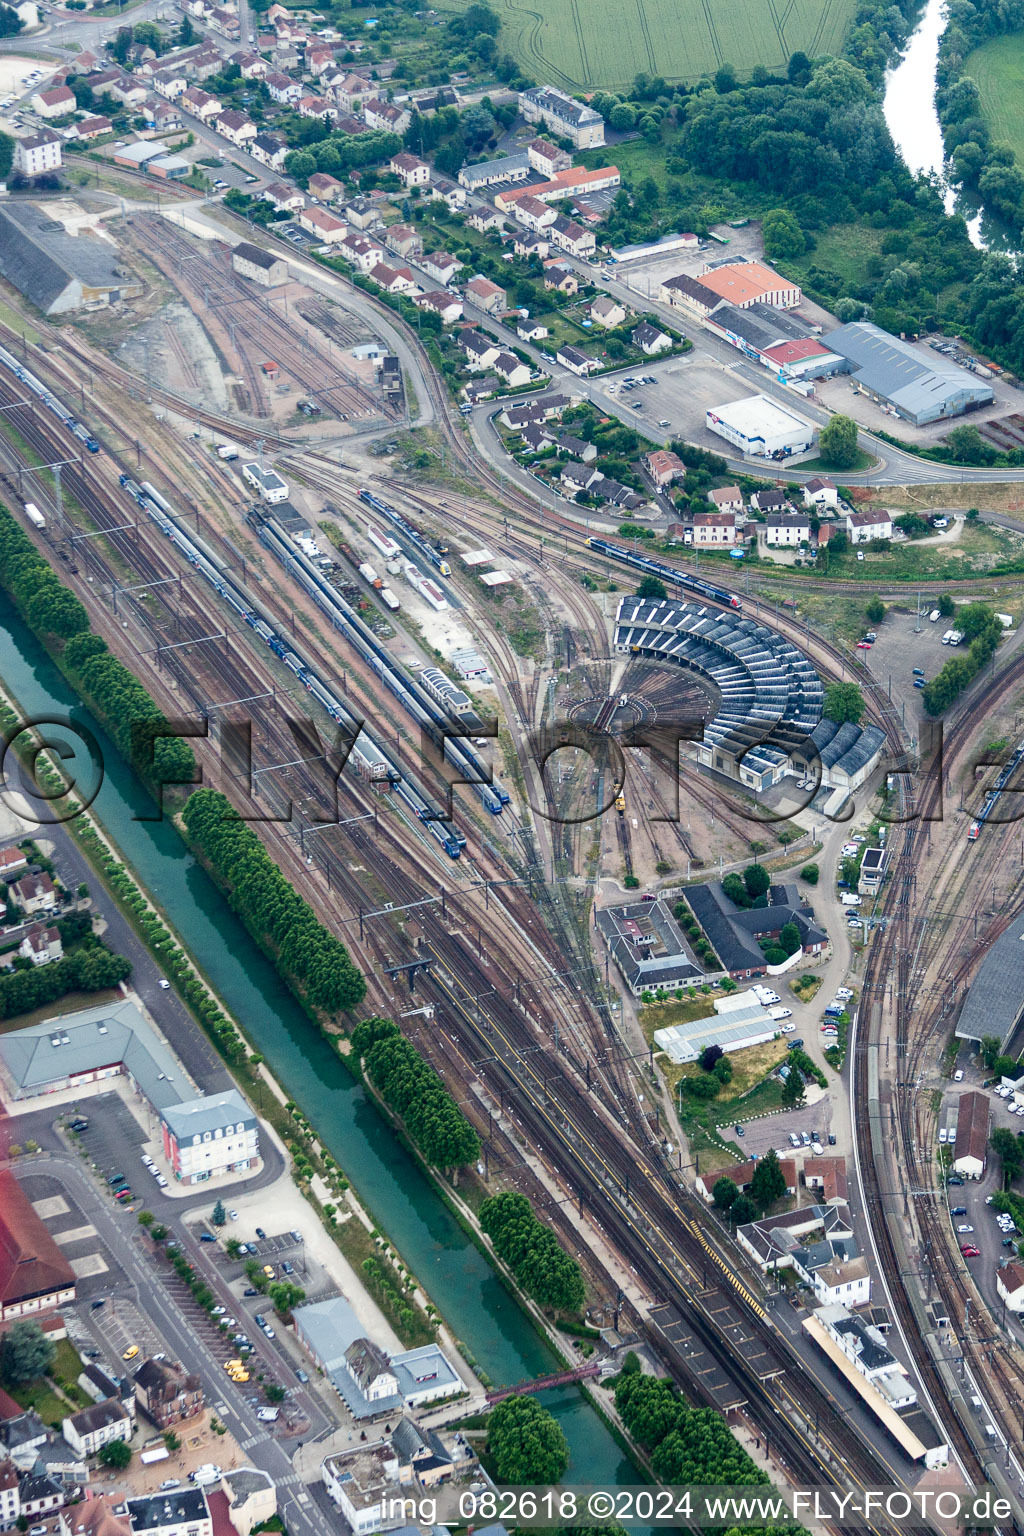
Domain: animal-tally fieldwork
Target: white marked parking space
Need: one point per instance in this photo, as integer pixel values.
(89, 1264)
(74, 1235)
(53, 1205)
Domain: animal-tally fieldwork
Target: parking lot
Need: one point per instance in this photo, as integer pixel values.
(903, 642)
(96, 1268)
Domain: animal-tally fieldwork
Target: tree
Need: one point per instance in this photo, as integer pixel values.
(273, 1392)
(757, 881)
(875, 610)
(724, 1193)
(186, 33)
(704, 1087)
(25, 1353)
(710, 1055)
(783, 237)
(793, 1089)
(145, 1218)
(723, 1070)
(171, 1440)
(789, 939)
(810, 873)
(946, 605)
(743, 1210)
(220, 1215)
(526, 1443)
(843, 702)
(735, 889)
(1010, 1150)
(622, 117)
(989, 1050)
(533, 1252)
(769, 1181)
(652, 588)
(285, 1295)
(837, 442)
(116, 1454)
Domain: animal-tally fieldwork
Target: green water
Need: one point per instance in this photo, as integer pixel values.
(458, 1278)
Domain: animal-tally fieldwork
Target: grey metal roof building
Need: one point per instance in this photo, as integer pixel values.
(899, 375)
(56, 271)
(648, 946)
(490, 172)
(995, 1002)
(754, 329)
(193, 1117)
(733, 932)
(86, 1046)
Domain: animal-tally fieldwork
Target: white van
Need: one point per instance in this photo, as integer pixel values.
(850, 900)
(934, 616)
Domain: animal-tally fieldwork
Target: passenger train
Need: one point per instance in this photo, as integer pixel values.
(49, 399)
(666, 573)
(428, 714)
(992, 798)
(376, 762)
(422, 545)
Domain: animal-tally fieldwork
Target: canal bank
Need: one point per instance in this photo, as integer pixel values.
(497, 1333)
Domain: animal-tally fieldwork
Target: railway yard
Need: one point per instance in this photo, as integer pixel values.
(476, 841)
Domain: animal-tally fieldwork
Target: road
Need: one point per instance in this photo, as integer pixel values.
(260, 1448)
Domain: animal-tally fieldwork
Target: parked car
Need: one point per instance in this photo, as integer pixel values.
(207, 1237)
(958, 1210)
(130, 1352)
(739, 1130)
(970, 1252)
(965, 1227)
(164, 985)
(787, 1029)
(261, 1234)
(958, 1075)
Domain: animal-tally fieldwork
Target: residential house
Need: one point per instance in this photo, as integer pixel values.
(575, 447)
(350, 91)
(770, 501)
(385, 116)
(96, 1426)
(93, 128)
(10, 1500)
(12, 862)
(164, 116)
(41, 945)
(573, 237)
(576, 361)
(531, 330)
(650, 340)
(836, 1272)
(742, 1175)
(402, 240)
(447, 305)
(479, 350)
(38, 153)
(535, 439)
(482, 219)
(319, 59)
(475, 390)
(827, 1175)
(128, 90)
(362, 1482)
(714, 530)
(330, 230)
(283, 197)
(527, 243)
(410, 169)
(786, 530)
(252, 1499)
(283, 89)
(1010, 1285)
(579, 477)
(393, 279)
(236, 127)
(619, 495)
(158, 1514)
(56, 103)
(167, 1393)
(40, 1495)
(873, 523)
(486, 295)
(35, 893)
(515, 373)
(250, 65)
(270, 151)
(547, 158)
(663, 467)
(200, 103)
(317, 107)
(327, 188)
(559, 277)
(820, 492)
(686, 292)
(540, 408)
(606, 311)
(358, 249)
(362, 213)
(441, 266)
(533, 213)
(449, 192)
(728, 499)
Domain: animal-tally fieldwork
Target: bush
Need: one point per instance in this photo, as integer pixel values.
(810, 873)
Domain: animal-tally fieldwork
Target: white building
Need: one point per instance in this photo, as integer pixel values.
(270, 486)
(38, 153)
(210, 1136)
(786, 530)
(820, 492)
(362, 1482)
(183, 1512)
(867, 525)
(96, 1426)
(1010, 1286)
(761, 428)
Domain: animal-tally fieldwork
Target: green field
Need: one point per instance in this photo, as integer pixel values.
(998, 67)
(585, 44)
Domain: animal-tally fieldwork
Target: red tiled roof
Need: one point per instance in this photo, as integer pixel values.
(31, 1264)
(793, 351)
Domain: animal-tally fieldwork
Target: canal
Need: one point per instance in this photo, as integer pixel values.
(457, 1276)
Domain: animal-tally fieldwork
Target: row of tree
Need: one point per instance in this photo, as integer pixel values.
(118, 699)
(309, 956)
(687, 1445)
(982, 630)
(410, 1086)
(533, 1253)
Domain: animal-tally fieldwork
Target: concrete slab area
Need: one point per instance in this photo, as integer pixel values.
(89, 1264)
(53, 1205)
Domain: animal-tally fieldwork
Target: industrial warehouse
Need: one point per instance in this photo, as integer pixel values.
(898, 375)
(769, 723)
(761, 428)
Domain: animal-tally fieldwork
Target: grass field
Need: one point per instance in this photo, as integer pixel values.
(585, 44)
(998, 67)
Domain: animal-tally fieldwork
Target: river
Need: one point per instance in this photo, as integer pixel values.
(459, 1279)
(913, 122)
